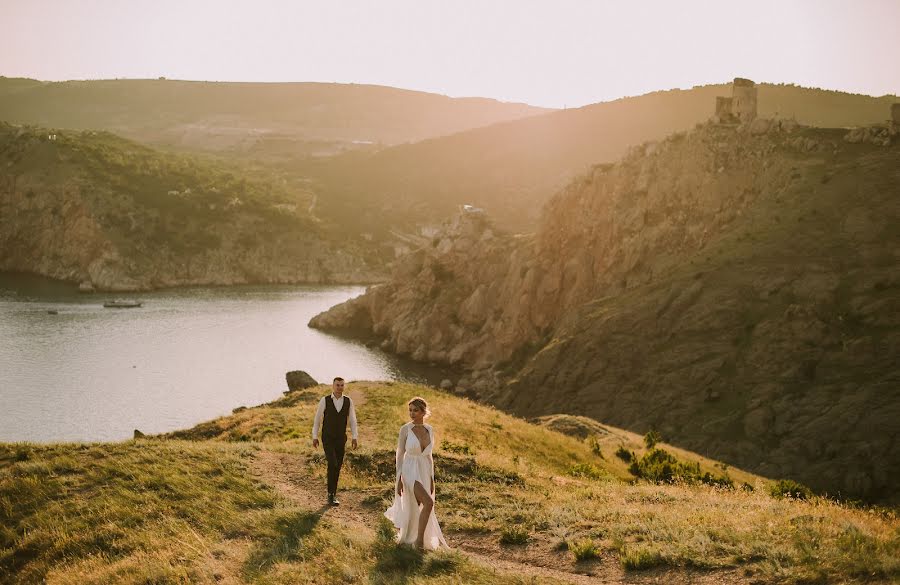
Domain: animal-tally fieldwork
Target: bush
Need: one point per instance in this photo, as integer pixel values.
(514, 535)
(657, 465)
(651, 439)
(594, 444)
(722, 481)
(788, 488)
(584, 549)
(636, 559)
(588, 470)
(624, 454)
(660, 466)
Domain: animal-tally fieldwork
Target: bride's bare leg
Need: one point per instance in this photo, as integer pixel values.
(424, 498)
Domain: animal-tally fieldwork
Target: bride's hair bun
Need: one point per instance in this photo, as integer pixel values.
(420, 404)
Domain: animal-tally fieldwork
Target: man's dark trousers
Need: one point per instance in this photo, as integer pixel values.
(334, 439)
(334, 454)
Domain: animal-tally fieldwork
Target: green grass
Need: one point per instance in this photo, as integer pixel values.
(64, 504)
(638, 558)
(514, 535)
(176, 510)
(584, 550)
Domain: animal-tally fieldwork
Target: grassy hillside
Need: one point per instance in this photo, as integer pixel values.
(240, 499)
(260, 118)
(93, 206)
(512, 168)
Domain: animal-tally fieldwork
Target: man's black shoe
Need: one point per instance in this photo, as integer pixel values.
(333, 501)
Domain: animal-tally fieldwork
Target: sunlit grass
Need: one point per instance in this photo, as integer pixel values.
(167, 510)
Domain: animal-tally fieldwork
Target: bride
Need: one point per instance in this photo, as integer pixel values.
(415, 483)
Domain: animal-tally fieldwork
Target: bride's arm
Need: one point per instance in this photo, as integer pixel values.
(401, 452)
(431, 458)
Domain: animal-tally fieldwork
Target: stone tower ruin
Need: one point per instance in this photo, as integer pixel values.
(743, 99)
(741, 106)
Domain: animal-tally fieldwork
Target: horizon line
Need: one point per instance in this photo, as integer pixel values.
(435, 93)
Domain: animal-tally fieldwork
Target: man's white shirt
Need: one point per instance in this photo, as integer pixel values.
(338, 405)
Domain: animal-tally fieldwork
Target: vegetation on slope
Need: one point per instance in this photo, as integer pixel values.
(75, 196)
(764, 321)
(260, 119)
(512, 168)
(734, 288)
(239, 499)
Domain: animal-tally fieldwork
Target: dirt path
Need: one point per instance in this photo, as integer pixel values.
(292, 476)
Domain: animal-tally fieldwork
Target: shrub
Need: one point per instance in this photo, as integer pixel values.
(636, 559)
(656, 465)
(660, 466)
(651, 439)
(788, 488)
(624, 454)
(594, 444)
(584, 549)
(514, 535)
(588, 470)
(722, 481)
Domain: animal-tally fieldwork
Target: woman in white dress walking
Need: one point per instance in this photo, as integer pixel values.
(413, 508)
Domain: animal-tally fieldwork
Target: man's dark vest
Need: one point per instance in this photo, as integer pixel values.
(334, 423)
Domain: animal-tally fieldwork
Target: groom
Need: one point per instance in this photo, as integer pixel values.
(332, 415)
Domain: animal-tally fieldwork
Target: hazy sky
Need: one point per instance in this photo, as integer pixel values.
(550, 53)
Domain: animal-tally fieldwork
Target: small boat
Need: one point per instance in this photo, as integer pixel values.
(52, 312)
(120, 304)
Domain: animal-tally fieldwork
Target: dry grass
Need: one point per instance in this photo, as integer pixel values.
(173, 510)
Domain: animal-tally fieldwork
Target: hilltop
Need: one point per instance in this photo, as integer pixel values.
(101, 210)
(734, 287)
(513, 168)
(239, 499)
(249, 119)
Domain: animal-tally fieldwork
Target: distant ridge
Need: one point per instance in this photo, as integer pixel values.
(512, 168)
(313, 117)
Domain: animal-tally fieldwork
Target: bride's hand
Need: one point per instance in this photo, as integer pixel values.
(400, 487)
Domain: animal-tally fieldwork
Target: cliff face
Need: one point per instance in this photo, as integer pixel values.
(736, 289)
(113, 215)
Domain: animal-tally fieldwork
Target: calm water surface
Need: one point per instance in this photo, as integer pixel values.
(95, 374)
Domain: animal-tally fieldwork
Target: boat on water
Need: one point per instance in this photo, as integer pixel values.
(120, 304)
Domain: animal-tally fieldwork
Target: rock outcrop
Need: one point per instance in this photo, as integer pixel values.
(734, 288)
(298, 380)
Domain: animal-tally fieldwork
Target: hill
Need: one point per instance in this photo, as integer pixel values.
(239, 499)
(97, 209)
(258, 119)
(735, 288)
(512, 168)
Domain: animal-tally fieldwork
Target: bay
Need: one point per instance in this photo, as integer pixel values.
(90, 373)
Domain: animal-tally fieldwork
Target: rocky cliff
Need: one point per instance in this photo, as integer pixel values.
(734, 288)
(113, 215)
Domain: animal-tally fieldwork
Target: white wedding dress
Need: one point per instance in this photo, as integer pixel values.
(414, 464)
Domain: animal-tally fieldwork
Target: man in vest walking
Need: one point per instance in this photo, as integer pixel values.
(332, 415)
